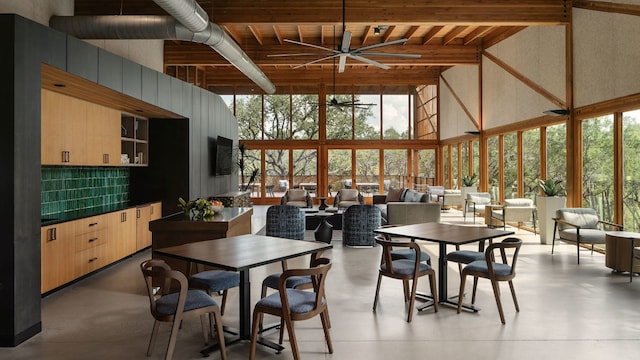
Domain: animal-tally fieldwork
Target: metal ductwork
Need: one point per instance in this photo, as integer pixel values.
(188, 12)
(163, 28)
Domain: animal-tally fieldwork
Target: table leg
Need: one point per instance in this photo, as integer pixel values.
(245, 305)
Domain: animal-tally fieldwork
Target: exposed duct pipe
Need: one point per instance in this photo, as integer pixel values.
(188, 13)
(163, 28)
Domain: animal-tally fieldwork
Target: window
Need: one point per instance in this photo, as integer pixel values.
(597, 165)
(395, 116)
(631, 165)
(395, 169)
(340, 169)
(249, 115)
(367, 171)
(530, 163)
(510, 170)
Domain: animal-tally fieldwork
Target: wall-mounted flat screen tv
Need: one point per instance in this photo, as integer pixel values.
(224, 156)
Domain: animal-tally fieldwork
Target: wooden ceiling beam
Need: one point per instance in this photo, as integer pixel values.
(197, 54)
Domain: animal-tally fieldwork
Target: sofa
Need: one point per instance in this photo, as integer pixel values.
(405, 207)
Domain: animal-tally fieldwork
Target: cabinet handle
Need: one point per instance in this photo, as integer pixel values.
(93, 224)
(123, 217)
(105, 158)
(93, 239)
(138, 213)
(151, 209)
(65, 156)
(93, 259)
(52, 234)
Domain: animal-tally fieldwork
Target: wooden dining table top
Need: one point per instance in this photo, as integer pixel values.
(243, 252)
(444, 233)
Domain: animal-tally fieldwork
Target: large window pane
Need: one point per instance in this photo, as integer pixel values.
(464, 157)
(367, 171)
(339, 118)
(631, 145)
(367, 117)
(395, 116)
(251, 167)
(476, 156)
(340, 169)
(305, 117)
(277, 117)
(557, 153)
(446, 164)
(510, 166)
(494, 168)
(454, 167)
(426, 168)
(597, 165)
(531, 162)
(305, 169)
(395, 169)
(276, 172)
(249, 115)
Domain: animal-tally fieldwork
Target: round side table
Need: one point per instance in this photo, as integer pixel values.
(323, 204)
(619, 255)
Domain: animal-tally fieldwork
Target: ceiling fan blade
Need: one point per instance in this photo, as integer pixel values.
(407, 56)
(369, 61)
(346, 42)
(343, 62)
(316, 60)
(298, 54)
(374, 46)
(311, 45)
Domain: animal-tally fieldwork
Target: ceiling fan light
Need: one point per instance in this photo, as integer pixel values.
(376, 31)
(557, 112)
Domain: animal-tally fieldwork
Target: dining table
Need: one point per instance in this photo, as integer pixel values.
(240, 254)
(444, 234)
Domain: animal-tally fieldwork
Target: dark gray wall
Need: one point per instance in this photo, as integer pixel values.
(26, 45)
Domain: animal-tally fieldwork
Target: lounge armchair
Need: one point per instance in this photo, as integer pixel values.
(297, 197)
(347, 197)
(515, 210)
(581, 226)
(476, 203)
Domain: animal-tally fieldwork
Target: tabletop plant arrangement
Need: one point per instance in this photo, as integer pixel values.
(200, 209)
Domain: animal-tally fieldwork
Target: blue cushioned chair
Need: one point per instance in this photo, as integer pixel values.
(293, 305)
(215, 281)
(405, 270)
(168, 306)
(358, 223)
(285, 221)
(495, 268)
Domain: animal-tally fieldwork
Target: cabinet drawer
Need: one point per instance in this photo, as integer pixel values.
(90, 259)
(90, 224)
(91, 239)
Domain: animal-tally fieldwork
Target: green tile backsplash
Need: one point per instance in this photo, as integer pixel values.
(67, 188)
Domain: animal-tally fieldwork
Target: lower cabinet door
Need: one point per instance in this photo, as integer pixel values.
(90, 259)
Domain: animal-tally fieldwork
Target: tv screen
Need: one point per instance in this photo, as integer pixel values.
(224, 156)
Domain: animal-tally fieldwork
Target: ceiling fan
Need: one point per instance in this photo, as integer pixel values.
(345, 51)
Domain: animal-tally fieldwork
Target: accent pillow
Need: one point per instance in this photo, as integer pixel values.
(413, 196)
(394, 194)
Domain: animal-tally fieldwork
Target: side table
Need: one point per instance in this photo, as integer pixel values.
(618, 254)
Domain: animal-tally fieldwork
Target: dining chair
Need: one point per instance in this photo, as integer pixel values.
(214, 282)
(404, 253)
(464, 257)
(295, 305)
(174, 307)
(496, 269)
(405, 270)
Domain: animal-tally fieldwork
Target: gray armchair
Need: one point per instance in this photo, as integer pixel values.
(581, 226)
(515, 210)
(297, 197)
(476, 202)
(347, 197)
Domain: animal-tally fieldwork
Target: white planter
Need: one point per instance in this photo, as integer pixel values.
(463, 193)
(547, 206)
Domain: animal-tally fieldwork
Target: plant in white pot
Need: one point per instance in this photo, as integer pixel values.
(547, 204)
(468, 186)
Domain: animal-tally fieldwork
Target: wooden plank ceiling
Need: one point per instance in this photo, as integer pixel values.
(444, 32)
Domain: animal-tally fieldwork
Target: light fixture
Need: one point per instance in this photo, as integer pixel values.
(378, 29)
(472, 132)
(557, 112)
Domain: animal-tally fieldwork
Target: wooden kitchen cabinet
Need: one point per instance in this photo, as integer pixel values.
(76, 132)
(146, 214)
(122, 234)
(90, 244)
(57, 255)
(64, 129)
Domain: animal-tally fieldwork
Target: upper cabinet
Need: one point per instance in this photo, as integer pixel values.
(77, 132)
(135, 135)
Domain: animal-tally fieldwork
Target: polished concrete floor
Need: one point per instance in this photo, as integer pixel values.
(566, 312)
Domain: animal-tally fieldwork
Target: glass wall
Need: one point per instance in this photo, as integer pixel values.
(631, 165)
(494, 168)
(597, 165)
(530, 163)
(395, 169)
(395, 116)
(367, 171)
(305, 166)
(340, 169)
(510, 166)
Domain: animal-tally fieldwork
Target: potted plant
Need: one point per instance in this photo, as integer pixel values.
(468, 186)
(547, 205)
(199, 209)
